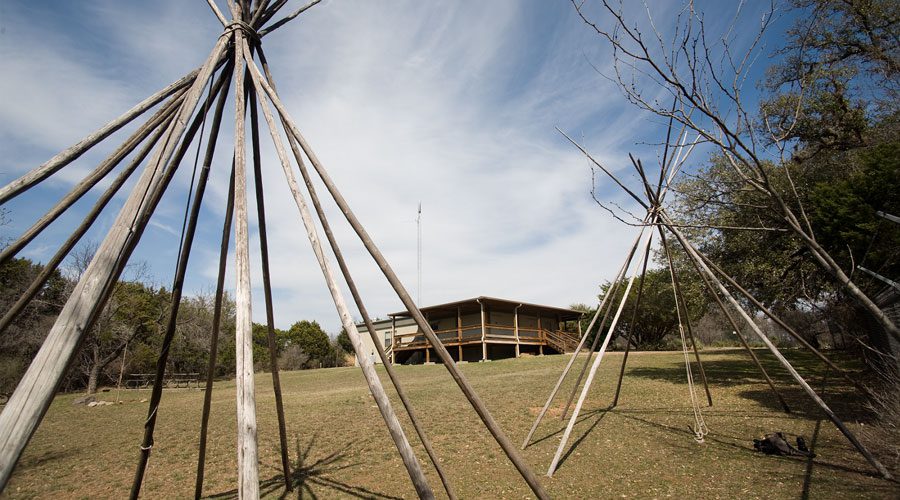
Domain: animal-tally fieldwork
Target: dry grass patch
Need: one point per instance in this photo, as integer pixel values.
(340, 448)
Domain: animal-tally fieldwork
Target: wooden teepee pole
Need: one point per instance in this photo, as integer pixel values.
(637, 306)
(247, 452)
(375, 387)
(106, 166)
(25, 409)
(357, 298)
(404, 296)
(214, 337)
(597, 360)
(62, 159)
(689, 248)
(267, 290)
(274, 26)
(584, 336)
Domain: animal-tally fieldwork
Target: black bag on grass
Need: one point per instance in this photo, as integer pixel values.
(776, 444)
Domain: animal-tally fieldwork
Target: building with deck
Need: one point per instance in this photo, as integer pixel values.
(478, 329)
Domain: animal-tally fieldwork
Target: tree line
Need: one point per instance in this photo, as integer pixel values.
(127, 336)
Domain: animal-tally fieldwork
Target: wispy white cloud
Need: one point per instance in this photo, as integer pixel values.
(452, 104)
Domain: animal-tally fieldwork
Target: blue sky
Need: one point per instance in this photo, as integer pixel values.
(451, 104)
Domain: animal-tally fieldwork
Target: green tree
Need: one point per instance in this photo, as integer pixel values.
(22, 339)
(656, 317)
(310, 337)
(343, 341)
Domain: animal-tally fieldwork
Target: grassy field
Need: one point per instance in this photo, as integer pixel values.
(643, 448)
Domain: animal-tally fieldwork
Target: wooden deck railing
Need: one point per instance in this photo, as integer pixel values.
(560, 340)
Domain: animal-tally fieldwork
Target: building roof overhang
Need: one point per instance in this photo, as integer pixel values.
(474, 305)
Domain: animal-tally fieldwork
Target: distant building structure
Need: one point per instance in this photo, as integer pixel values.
(477, 329)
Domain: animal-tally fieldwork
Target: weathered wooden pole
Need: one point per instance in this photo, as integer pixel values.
(689, 248)
(144, 131)
(267, 290)
(637, 306)
(274, 26)
(62, 159)
(412, 464)
(404, 296)
(584, 336)
(25, 409)
(214, 337)
(597, 360)
(247, 450)
(217, 12)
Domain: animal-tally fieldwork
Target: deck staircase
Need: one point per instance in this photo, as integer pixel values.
(561, 341)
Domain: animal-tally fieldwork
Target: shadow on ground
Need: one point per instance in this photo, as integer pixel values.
(306, 473)
(738, 369)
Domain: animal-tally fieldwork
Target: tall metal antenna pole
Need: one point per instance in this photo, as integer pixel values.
(419, 250)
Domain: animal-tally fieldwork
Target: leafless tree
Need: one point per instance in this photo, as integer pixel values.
(111, 334)
(705, 76)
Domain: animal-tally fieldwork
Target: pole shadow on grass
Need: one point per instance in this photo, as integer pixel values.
(581, 438)
(320, 472)
(581, 418)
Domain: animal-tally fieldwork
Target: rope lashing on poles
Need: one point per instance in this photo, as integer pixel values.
(242, 26)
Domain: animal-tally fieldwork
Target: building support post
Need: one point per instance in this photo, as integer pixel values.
(540, 335)
(393, 338)
(428, 351)
(483, 333)
(578, 325)
(516, 327)
(459, 333)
